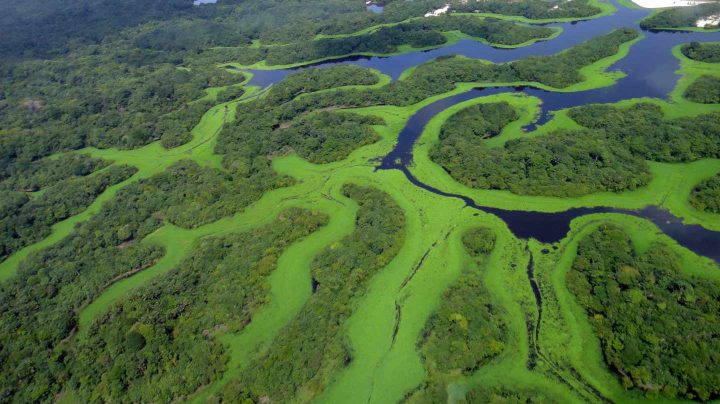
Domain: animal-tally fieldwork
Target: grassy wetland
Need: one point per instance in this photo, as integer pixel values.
(292, 245)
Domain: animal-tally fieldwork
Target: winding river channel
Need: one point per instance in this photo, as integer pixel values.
(650, 70)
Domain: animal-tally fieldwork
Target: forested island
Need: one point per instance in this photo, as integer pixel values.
(313, 201)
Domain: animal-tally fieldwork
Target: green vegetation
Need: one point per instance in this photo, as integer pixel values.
(560, 71)
(94, 100)
(41, 29)
(466, 331)
(479, 241)
(44, 28)
(483, 394)
(480, 121)
(535, 9)
(419, 33)
(314, 80)
(320, 137)
(560, 164)
(635, 302)
(32, 176)
(274, 125)
(161, 342)
(649, 135)
(52, 286)
(705, 196)
(313, 339)
(681, 17)
(24, 220)
(704, 90)
(396, 12)
(182, 233)
(669, 187)
(708, 52)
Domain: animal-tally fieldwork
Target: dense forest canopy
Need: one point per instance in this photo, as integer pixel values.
(49, 28)
(267, 125)
(53, 286)
(708, 52)
(135, 352)
(657, 325)
(441, 75)
(416, 33)
(96, 100)
(644, 131)
(608, 157)
(706, 195)
(24, 220)
(479, 121)
(41, 28)
(704, 90)
(559, 164)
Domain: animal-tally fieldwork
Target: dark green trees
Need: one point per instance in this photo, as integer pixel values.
(558, 164)
(52, 286)
(479, 121)
(161, 343)
(706, 195)
(643, 130)
(702, 52)
(314, 338)
(25, 220)
(704, 90)
(416, 33)
(657, 326)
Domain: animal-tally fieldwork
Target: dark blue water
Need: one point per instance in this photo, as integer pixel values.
(650, 70)
(549, 227)
(573, 33)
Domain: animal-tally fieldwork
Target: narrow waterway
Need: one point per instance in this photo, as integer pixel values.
(650, 70)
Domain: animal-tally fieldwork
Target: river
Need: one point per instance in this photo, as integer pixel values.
(650, 70)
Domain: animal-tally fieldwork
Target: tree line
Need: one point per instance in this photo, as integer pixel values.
(420, 33)
(314, 337)
(702, 52)
(95, 100)
(704, 90)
